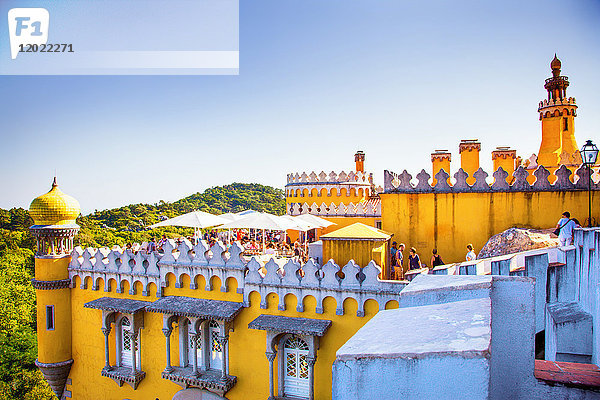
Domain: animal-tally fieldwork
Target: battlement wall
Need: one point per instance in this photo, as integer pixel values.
(401, 183)
(142, 269)
(331, 178)
(360, 209)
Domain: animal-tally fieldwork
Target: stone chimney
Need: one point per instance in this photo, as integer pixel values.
(469, 157)
(359, 158)
(440, 159)
(505, 157)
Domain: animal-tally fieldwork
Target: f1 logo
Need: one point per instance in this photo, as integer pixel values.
(27, 26)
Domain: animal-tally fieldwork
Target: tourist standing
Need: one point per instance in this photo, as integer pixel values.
(400, 262)
(414, 262)
(436, 259)
(151, 246)
(565, 227)
(471, 256)
(393, 251)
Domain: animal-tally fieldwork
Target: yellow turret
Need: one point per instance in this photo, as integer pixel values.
(54, 215)
(557, 114)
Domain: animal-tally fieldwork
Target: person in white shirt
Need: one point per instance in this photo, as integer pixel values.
(565, 225)
(471, 256)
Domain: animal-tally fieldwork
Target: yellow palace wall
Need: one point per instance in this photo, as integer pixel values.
(247, 347)
(448, 221)
(339, 222)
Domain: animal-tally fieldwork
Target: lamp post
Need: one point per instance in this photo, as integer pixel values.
(589, 153)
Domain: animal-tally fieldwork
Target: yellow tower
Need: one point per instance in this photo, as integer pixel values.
(54, 215)
(557, 114)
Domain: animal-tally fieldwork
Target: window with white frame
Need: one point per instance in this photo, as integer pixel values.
(296, 378)
(216, 350)
(188, 338)
(125, 341)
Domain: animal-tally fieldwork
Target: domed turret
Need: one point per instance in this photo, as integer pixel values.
(54, 215)
(54, 208)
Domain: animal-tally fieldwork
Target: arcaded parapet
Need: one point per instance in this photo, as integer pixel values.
(310, 279)
(371, 208)
(401, 183)
(331, 178)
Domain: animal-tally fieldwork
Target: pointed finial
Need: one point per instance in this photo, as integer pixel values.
(54, 184)
(555, 64)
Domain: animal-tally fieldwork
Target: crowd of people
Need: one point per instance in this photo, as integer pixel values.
(252, 241)
(564, 231)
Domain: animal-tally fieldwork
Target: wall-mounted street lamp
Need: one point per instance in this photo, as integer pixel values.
(589, 153)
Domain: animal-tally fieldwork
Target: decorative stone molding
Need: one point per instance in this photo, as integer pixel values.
(371, 208)
(557, 107)
(441, 155)
(469, 145)
(395, 183)
(332, 177)
(124, 375)
(360, 284)
(504, 153)
(54, 240)
(208, 380)
(56, 374)
(51, 285)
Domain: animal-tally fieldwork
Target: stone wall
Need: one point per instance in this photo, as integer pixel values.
(310, 279)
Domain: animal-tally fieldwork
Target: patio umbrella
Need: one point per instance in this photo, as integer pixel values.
(195, 219)
(318, 222)
(299, 224)
(262, 221)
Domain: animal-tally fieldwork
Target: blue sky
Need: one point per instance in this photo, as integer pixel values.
(319, 79)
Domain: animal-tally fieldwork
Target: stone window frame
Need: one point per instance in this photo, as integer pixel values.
(201, 375)
(118, 323)
(121, 374)
(278, 330)
(200, 327)
(275, 345)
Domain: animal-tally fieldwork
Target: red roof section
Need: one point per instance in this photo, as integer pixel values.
(586, 376)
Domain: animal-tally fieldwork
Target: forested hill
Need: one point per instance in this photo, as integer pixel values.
(19, 377)
(220, 199)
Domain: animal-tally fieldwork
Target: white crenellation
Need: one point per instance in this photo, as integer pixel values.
(332, 177)
(361, 209)
(200, 263)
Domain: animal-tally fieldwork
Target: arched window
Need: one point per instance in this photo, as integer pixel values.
(189, 340)
(216, 350)
(126, 343)
(296, 378)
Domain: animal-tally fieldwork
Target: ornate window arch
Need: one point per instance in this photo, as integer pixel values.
(215, 346)
(293, 342)
(295, 367)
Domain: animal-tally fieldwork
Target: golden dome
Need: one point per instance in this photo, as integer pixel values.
(54, 208)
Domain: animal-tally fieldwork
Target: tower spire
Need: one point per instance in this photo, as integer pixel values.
(557, 114)
(557, 84)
